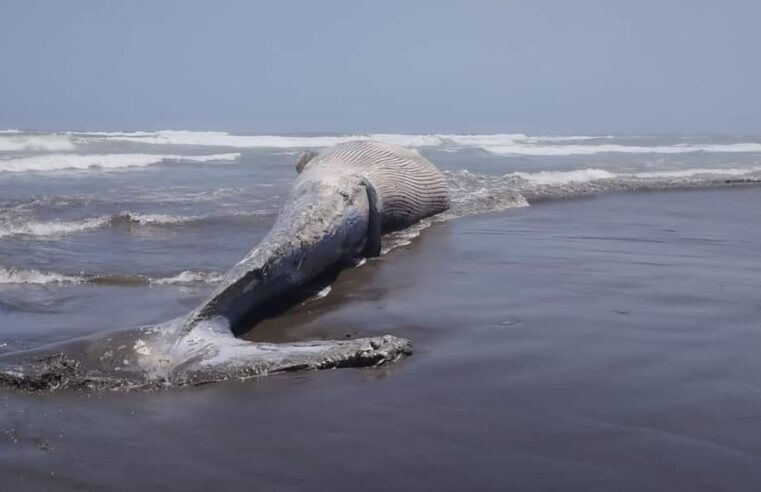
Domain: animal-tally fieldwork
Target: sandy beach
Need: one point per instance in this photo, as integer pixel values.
(578, 344)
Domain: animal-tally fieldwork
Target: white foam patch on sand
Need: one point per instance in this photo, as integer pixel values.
(323, 293)
(189, 277)
(15, 141)
(58, 162)
(153, 219)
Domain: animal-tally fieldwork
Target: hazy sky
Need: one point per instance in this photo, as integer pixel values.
(607, 66)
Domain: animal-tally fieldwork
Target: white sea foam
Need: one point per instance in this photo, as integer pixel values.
(591, 174)
(321, 294)
(62, 227)
(501, 143)
(521, 144)
(31, 276)
(562, 177)
(404, 140)
(51, 228)
(474, 193)
(14, 141)
(224, 139)
(404, 237)
(688, 173)
(19, 276)
(152, 219)
(189, 277)
(18, 226)
(592, 149)
(507, 139)
(58, 162)
(113, 134)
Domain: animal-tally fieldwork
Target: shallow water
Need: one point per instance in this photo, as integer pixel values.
(581, 344)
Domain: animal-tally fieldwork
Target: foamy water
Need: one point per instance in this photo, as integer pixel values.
(22, 226)
(499, 144)
(156, 216)
(18, 276)
(224, 139)
(564, 150)
(60, 227)
(15, 141)
(51, 228)
(471, 193)
(30, 276)
(503, 144)
(58, 162)
(486, 173)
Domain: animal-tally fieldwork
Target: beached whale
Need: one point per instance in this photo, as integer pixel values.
(343, 200)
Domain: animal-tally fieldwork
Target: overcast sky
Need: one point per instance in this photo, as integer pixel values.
(544, 66)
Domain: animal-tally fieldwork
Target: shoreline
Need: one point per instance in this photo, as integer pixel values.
(575, 344)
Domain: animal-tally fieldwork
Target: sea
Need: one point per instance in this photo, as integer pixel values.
(584, 317)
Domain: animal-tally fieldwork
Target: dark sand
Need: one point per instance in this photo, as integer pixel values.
(598, 344)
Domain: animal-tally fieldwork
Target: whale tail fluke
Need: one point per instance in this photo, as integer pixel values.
(143, 358)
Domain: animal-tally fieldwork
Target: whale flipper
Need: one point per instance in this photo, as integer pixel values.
(374, 224)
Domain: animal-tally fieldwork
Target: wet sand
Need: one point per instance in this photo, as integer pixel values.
(595, 344)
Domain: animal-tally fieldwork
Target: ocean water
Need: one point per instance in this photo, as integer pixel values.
(584, 317)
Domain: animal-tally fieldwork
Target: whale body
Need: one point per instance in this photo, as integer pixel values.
(343, 200)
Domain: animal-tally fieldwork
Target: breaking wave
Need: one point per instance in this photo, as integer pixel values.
(37, 277)
(18, 276)
(51, 228)
(15, 141)
(512, 138)
(58, 162)
(564, 150)
(55, 228)
(499, 144)
(224, 139)
(160, 196)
